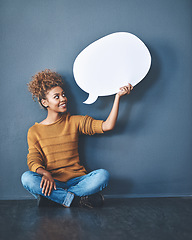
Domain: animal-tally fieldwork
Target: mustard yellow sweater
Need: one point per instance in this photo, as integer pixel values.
(54, 147)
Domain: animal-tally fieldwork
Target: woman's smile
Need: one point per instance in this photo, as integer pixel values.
(63, 105)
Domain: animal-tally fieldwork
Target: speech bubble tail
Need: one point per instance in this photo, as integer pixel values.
(91, 99)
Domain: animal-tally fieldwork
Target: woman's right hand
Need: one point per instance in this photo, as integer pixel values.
(47, 182)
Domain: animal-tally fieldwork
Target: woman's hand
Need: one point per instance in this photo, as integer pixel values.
(47, 183)
(125, 90)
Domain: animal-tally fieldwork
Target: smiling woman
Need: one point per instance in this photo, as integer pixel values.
(53, 159)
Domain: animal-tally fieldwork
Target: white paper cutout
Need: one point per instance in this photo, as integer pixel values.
(109, 63)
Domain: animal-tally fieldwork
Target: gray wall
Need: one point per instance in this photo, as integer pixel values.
(149, 152)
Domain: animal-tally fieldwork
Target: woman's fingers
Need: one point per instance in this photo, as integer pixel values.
(131, 86)
(46, 190)
(41, 184)
(44, 186)
(126, 89)
(50, 188)
(47, 185)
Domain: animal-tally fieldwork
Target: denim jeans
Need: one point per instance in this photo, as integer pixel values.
(88, 184)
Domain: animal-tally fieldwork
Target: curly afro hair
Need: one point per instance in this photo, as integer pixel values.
(42, 82)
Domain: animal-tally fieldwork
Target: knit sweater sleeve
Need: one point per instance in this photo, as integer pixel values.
(90, 126)
(35, 156)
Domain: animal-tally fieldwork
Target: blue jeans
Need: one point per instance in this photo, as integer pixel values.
(88, 184)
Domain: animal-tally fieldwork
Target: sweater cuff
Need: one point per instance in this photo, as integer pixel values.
(97, 126)
(36, 166)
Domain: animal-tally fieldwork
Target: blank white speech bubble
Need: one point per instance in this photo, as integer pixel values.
(109, 63)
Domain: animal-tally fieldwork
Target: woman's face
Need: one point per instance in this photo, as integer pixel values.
(56, 100)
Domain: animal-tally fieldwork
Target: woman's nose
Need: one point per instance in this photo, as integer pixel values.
(63, 98)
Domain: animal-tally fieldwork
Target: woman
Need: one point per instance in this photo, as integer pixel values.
(53, 159)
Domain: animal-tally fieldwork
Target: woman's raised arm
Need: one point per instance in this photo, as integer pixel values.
(110, 122)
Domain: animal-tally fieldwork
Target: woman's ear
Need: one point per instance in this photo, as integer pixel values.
(44, 103)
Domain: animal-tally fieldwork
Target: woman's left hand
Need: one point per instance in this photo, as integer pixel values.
(125, 90)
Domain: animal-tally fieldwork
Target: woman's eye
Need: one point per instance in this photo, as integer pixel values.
(56, 97)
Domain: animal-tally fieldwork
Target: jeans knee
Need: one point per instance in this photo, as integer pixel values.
(104, 175)
(26, 178)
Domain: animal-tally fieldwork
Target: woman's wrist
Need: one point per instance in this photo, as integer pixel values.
(117, 96)
(46, 173)
(42, 171)
(117, 99)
